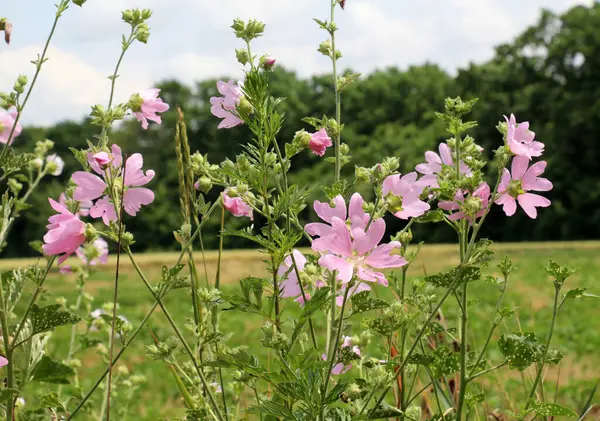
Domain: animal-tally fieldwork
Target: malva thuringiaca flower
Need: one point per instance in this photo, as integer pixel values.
(479, 201)
(402, 195)
(319, 142)
(92, 187)
(520, 139)
(434, 163)
(341, 368)
(515, 185)
(54, 164)
(98, 250)
(224, 107)
(7, 121)
(348, 246)
(236, 205)
(145, 106)
(66, 233)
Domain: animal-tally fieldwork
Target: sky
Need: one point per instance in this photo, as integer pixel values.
(191, 40)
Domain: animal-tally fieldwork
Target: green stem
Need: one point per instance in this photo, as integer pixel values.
(204, 220)
(481, 373)
(41, 59)
(338, 105)
(542, 362)
(119, 354)
(178, 333)
(334, 347)
(417, 340)
(10, 404)
(34, 298)
(463, 332)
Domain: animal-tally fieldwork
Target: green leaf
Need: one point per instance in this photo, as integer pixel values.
(49, 317)
(51, 400)
(50, 371)
(446, 279)
(580, 293)
(431, 216)
(544, 409)
(7, 393)
(315, 303)
(12, 162)
(362, 302)
(559, 273)
(442, 362)
(520, 350)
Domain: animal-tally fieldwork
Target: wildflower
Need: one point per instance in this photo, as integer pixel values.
(434, 163)
(319, 142)
(267, 62)
(341, 368)
(402, 195)
(236, 205)
(91, 187)
(520, 139)
(481, 193)
(357, 216)
(515, 185)
(101, 160)
(145, 106)
(225, 107)
(98, 252)
(83, 208)
(54, 164)
(7, 121)
(353, 249)
(65, 233)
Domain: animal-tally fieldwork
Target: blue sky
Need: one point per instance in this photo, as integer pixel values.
(191, 40)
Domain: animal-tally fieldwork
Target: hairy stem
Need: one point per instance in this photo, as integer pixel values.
(338, 103)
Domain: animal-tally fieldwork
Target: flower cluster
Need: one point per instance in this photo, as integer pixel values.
(111, 176)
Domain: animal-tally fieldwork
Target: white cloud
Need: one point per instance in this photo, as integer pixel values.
(66, 87)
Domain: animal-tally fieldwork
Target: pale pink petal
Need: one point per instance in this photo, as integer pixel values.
(89, 186)
(382, 257)
(344, 269)
(326, 212)
(135, 198)
(369, 275)
(519, 166)
(529, 202)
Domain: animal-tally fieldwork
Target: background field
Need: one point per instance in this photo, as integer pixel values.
(577, 334)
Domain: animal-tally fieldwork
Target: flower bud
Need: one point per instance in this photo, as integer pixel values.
(127, 15)
(244, 106)
(302, 138)
(405, 237)
(14, 186)
(146, 14)
(143, 33)
(242, 56)
(6, 26)
(102, 158)
(342, 3)
(471, 206)
(90, 232)
(325, 48)
(267, 63)
(344, 149)
(362, 174)
(391, 163)
(79, 2)
(203, 184)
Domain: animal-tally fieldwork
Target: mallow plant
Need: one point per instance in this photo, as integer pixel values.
(349, 336)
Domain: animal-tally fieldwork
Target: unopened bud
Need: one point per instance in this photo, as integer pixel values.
(242, 56)
(127, 16)
(362, 174)
(245, 106)
(146, 14)
(267, 62)
(325, 48)
(203, 184)
(79, 2)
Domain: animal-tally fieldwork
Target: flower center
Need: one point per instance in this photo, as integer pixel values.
(394, 203)
(515, 188)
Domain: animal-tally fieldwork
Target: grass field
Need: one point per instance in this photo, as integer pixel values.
(577, 334)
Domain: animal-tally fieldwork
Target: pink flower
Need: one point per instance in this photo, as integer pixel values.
(65, 233)
(357, 216)
(100, 252)
(482, 192)
(341, 368)
(225, 107)
(65, 270)
(237, 206)
(319, 142)
(150, 105)
(433, 166)
(3, 361)
(514, 186)
(267, 63)
(84, 206)
(91, 187)
(352, 249)
(520, 139)
(403, 195)
(99, 161)
(7, 121)
(290, 286)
